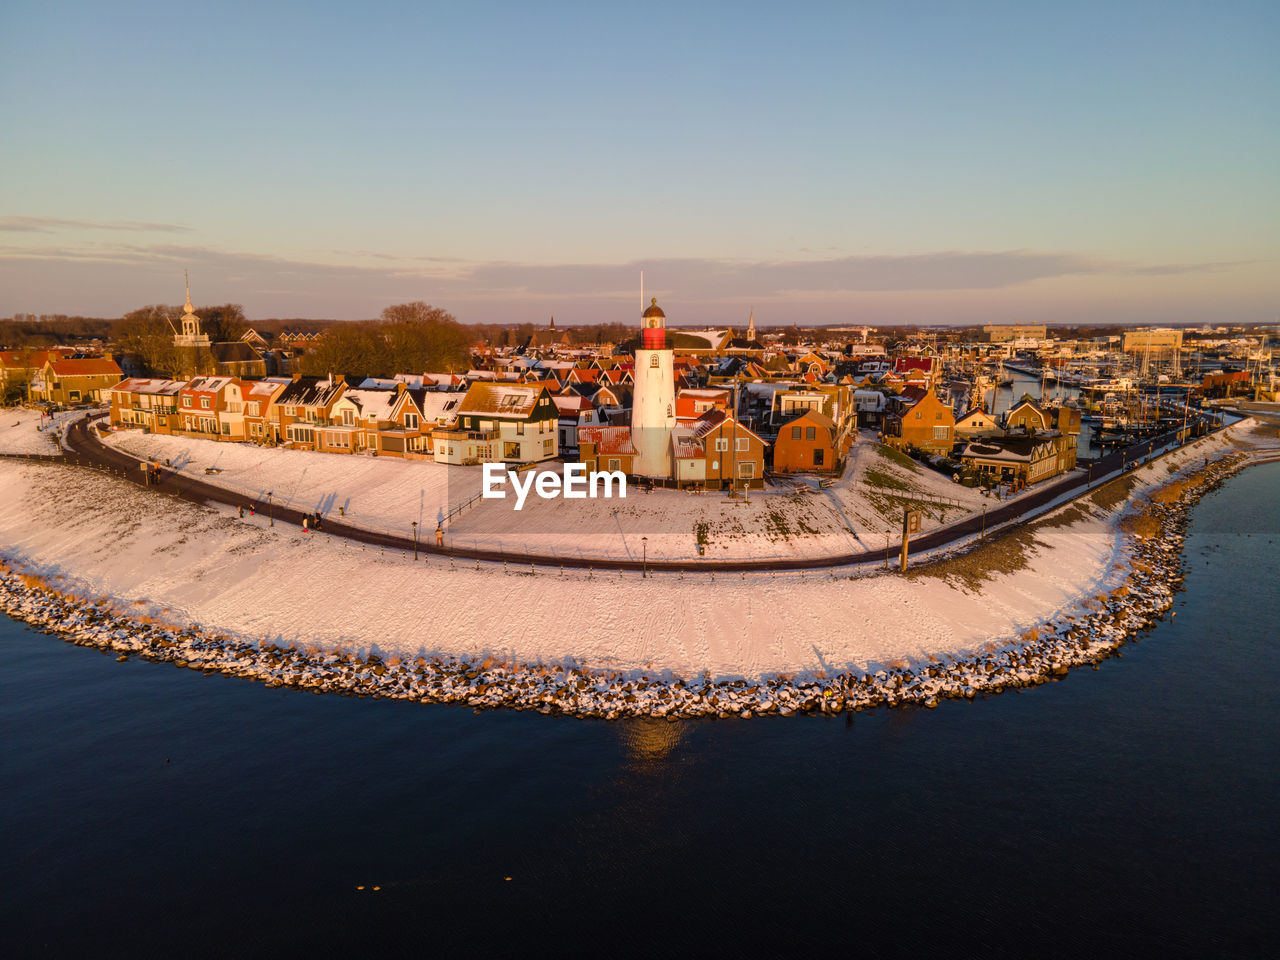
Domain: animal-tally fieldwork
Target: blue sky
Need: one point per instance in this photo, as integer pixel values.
(923, 162)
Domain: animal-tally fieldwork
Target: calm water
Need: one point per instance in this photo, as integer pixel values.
(154, 811)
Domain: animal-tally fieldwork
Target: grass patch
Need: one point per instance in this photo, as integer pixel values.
(897, 456)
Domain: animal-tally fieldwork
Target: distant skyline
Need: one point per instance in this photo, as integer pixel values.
(821, 163)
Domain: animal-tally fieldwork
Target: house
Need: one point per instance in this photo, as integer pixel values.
(575, 413)
(511, 423)
(258, 396)
(1026, 416)
(19, 367)
(149, 404)
(977, 423)
(71, 381)
(808, 443)
(238, 358)
(606, 448)
(732, 453)
(205, 409)
(693, 403)
(304, 404)
(927, 424)
(1020, 460)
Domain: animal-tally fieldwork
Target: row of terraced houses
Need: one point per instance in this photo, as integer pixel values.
(511, 422)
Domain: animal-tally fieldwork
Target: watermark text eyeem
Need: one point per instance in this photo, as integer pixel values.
(573, 482)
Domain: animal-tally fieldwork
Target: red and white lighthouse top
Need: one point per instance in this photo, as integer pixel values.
(654, 334)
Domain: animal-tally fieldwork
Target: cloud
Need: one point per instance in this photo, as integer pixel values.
(14, 224)
(103, 278)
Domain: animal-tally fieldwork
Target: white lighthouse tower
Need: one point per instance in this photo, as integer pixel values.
(653, 409)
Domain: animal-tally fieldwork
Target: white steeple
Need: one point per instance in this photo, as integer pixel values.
(191, 335)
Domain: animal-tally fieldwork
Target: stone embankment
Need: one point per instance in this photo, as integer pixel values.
(1155, 527)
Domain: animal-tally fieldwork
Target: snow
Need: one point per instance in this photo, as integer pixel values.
(184, 563)
(388, 494)
(23, 430)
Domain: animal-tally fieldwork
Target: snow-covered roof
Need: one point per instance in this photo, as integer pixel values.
(510, 400)
(163, 388)
(373, 404)
(616, 440)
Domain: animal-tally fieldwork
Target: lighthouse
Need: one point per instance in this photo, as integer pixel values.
(653, 409)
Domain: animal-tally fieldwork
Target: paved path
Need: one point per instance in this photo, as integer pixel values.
(86, 448)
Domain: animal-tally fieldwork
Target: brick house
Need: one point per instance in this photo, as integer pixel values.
(149, 404)
(606, 448)
(732, 453)
(66, 382)
(205, 409)
(303, 405)
(927, 424)
(808, 443)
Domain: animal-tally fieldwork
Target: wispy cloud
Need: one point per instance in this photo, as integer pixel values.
(14, 224)
(352, 284)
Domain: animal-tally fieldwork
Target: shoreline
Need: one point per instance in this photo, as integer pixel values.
(1152, 529)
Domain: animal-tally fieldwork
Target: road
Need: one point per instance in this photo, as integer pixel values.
(86, 448)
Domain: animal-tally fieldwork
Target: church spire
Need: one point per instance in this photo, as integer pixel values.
(751, 325)
(187, 277)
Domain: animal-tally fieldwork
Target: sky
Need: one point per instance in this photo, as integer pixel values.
(864, 163)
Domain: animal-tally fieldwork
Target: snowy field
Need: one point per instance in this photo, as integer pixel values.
(25, 431)
(183, 563)
(388, 494)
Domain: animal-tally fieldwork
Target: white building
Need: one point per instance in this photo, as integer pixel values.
(653, 410)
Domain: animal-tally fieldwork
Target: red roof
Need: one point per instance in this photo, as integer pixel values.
(615, 440)
(93, 366)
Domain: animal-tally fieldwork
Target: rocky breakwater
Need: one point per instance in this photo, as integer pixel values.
(1049, 651)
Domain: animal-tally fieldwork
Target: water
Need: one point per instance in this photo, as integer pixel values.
(151, 810)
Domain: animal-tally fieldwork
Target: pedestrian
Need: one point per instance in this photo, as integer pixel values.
(242, 511)
(305, 518)
(318, 519)
(252, 512)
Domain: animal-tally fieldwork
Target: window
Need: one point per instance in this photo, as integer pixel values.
(939, 433)
(548, 447)
(746, 469)
(795, 433)
(186, 401)
(411, 421)
(653, 361)
(817, 456)
(587, 417)
(938, 415)
(810, 433)
(511, 451)
(204, 403)
(348, 416)
(919, 415)
(743, 444)
(226, 428)
(615, 464)
(519, 428)
(722, 444)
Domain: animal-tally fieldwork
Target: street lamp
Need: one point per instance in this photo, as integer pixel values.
(271, 514)
(644, 554)
(415, 539)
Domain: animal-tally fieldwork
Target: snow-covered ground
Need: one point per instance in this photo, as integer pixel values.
(178, 562)
(389, 494)
(26, 431)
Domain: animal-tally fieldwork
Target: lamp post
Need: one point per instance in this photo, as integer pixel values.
(984, 522)
(415, 539)
(644, 555)
(271, 513)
